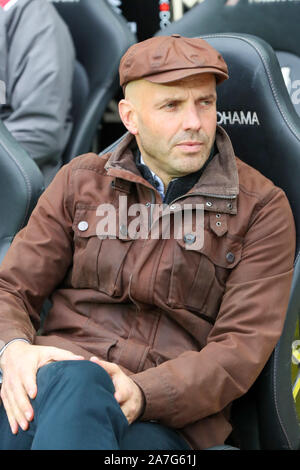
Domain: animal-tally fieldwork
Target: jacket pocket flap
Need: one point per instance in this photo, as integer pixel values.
(89, 223)
(85, 222)
(225, 251)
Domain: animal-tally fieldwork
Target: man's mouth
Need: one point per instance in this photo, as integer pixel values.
(190, 145)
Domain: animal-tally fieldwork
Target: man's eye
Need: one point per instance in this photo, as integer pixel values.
(205, 102)
(171, 105)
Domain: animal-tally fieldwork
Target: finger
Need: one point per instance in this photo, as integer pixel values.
(64, 355)
(57, 354)
(17, 405)
(127, 411)
(25, 410)
(12, 421)
(21, 406)
(30, 385)
(123, 391)
(118, 396)
(130, 410)
(110, 367)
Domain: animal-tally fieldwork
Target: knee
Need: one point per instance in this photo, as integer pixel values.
(79, 373)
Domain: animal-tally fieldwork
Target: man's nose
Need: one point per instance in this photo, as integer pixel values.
(192, 118)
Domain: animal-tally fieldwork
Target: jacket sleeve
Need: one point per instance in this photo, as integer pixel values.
(40, 66)
(37, 261)
(249, 323)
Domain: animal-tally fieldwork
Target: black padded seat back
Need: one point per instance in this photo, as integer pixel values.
(277, 22)
(80, 91)
(100, 38)
(255, 110)
(21, 184)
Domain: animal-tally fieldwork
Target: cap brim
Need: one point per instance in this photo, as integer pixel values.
(174, 75)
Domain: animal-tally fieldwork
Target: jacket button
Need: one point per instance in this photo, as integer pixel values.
(230, 257)
(83, 226)
(209, 204)
(189, 238)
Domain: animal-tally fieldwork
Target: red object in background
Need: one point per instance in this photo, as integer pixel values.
(164, 7)
(4, 2)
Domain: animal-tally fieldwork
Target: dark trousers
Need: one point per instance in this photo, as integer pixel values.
(75, 409)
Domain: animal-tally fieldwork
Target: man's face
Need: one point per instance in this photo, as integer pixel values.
(174, 124)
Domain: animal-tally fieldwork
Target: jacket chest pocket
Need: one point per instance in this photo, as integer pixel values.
(97, 261)
(198, 277)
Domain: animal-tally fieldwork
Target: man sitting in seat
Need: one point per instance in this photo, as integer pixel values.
(169, 263)
(37, 60)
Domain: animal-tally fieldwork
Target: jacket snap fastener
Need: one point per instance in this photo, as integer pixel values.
(230, 257)
(209, 204)
(173, 207)
(218, 216)
(83, 226)
(148, 204)
(229, 205)
(189, 238)
(218, 224)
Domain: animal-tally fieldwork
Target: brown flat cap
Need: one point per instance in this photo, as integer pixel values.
(164, 59)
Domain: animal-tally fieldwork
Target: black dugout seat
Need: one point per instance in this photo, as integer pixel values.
(21, 184)
(100, 37)
(276, 22)
(255, 110)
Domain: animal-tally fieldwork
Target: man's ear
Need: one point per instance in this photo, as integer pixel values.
(128, 116)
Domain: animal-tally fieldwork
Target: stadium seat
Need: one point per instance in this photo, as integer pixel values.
(21, 185)
(100, 37)
(255, 110)
(276, 22)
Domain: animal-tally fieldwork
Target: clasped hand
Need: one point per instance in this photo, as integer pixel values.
(20, 363)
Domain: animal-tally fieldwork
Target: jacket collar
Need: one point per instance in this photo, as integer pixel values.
(220, 177)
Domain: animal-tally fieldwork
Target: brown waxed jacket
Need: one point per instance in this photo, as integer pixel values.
(192, 325)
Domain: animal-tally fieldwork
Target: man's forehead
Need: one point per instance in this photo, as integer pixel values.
(203, 84)
(182, 95)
